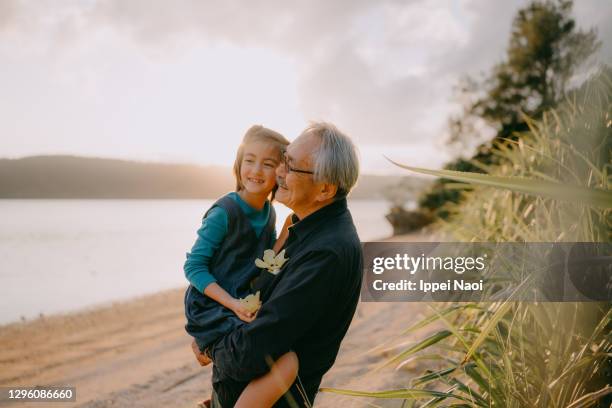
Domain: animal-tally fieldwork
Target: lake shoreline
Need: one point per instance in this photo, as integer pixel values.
(136, 353)
(413, 237)
(64, 255)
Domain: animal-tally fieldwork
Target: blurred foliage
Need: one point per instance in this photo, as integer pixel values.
(544, 51)
(404, 217)
(407, 221)
(525, 354)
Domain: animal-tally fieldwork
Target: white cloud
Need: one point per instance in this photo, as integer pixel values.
(157, 79)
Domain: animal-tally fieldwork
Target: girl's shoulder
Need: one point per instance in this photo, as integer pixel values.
(235, 209)
(220, 210)
(249, 211)
(227, 208)
(225, 202)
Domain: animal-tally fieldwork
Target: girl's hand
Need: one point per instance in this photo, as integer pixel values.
(242, 312)
(216, 292)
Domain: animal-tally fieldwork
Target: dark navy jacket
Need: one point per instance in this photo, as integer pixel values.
(307, 308)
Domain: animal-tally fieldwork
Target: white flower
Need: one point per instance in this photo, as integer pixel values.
(272, 262)
(251, 302)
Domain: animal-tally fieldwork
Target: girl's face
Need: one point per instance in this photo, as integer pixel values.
(258, 167)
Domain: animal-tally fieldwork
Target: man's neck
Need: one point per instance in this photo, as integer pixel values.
(305, 213)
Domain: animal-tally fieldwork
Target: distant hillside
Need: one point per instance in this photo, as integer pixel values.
(372, 187)
(83, 177)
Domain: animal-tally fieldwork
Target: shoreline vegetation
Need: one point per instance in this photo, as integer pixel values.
(553, 185)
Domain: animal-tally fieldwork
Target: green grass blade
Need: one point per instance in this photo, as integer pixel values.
(584, 195)
(591, 398)
(434, 317)
(475, 397)
(432, 376)
(429, 341)
(497, 316)
(404, 393)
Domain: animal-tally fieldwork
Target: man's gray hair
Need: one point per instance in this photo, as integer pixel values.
(336, 160)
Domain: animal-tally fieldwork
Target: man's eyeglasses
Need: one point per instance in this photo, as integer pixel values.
(293, 169)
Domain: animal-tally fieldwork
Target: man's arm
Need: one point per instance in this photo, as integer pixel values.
(301, 297)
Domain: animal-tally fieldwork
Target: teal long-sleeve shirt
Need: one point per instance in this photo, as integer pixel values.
(211, 234)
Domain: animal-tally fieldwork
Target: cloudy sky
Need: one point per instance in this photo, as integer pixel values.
(180, 81)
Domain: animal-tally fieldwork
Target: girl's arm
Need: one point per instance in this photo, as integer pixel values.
(210, 236)
(216, 292)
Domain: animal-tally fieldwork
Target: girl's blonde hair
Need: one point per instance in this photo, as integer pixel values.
(258, 133)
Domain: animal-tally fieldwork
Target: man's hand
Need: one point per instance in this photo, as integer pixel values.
(201, 357)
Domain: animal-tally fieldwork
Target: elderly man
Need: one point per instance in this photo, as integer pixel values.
(309, 305)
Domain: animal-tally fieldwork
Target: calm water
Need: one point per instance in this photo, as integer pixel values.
(62, 255)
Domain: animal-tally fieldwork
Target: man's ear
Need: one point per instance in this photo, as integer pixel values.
(327, 191)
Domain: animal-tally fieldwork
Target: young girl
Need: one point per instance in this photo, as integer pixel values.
(220, 267)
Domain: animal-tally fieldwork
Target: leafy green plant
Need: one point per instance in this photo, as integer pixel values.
(553, 185)
(544, 50)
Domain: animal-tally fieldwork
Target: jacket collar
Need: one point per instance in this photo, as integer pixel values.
(302, 228)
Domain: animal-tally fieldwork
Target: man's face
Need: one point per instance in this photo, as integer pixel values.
(298, 191)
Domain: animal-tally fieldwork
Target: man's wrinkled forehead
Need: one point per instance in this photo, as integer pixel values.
(304, 148)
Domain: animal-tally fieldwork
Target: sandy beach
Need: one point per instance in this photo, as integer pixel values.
(137, 354)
